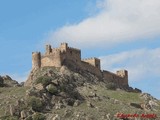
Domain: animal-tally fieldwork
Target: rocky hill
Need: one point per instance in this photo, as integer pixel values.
(64, 94)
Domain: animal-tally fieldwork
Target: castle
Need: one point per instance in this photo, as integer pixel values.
(71, 57)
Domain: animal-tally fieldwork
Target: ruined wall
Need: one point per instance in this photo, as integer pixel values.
(74, 55)
(36, 60)
(117, 79)
(69, 55)
(53, 59)
(124, 75)
(93, 61)
(91, 69)
(48, 49)
(63, 47)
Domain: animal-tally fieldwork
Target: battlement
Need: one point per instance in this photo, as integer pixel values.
(71, 57)
(93, 61)
(55, 49)
(92, 58)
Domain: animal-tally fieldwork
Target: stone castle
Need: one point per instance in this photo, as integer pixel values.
(71, 57)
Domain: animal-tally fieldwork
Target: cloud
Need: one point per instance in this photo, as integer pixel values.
(141, 63)
(117, 21)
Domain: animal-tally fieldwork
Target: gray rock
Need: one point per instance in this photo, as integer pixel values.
(11, 110)
(59, 105)
(56, 117)
(76, 103)
(23, 114)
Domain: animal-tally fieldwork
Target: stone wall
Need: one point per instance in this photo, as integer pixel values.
(36, 60)
(111, 77)
(90, 68)
(53, 59)
(93, 61)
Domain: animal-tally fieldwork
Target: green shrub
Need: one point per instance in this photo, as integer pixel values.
(52, 89)
(9, 118)
(39, 116)
(44, 80)
(29, 118)
(35, 103)
(62, 88)
(111, 86)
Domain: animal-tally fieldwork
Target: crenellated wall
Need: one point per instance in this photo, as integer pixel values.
(65, 55)
(90, 68)
(115, 78)
(93, 61)
(52, 59)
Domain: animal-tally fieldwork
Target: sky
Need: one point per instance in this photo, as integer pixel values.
(124, 34)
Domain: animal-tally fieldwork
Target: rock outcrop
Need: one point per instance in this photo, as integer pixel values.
(7, 81)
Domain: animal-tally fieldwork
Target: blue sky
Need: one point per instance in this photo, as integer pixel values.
(124, 34)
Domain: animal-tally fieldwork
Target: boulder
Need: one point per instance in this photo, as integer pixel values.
(136, 105)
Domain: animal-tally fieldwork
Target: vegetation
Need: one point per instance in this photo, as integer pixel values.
(52, 89)
(111, 86)
(35, 103)
(44, 80)
(38, 116)
(70, 96)
(8, 118)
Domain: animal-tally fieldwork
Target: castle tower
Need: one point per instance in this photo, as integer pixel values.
(123, 74)
(48, 49)
(63, 47)
(36, 60)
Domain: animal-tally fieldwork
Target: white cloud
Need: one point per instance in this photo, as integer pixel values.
(118, 21)
(141, 63)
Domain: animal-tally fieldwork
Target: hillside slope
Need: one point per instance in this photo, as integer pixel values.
(63, 94)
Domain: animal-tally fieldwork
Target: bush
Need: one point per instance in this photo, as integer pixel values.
(9, 118)
(39, 116)
(52, 89)
(29, 118)
(44, 80)
(111, 86)
(35, 103)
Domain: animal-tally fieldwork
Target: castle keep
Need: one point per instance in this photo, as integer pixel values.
(71, 57)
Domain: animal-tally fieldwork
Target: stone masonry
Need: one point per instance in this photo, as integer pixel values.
(71, 57)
